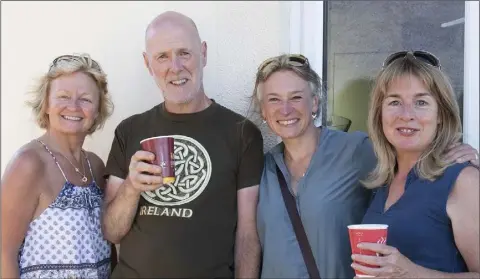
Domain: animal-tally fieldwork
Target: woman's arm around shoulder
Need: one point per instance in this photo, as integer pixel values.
(462, 208)
(19, 201)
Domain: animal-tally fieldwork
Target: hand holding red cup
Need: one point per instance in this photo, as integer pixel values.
(371, 233)
(162, 147)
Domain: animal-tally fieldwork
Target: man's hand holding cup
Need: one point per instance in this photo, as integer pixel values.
(143, 175)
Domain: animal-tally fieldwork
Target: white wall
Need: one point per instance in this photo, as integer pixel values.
(239, 36)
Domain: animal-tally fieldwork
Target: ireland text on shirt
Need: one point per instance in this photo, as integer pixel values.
(166, 211)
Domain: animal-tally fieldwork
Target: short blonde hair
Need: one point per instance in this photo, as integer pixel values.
(432, 163)
(65, 65)
(295, 63)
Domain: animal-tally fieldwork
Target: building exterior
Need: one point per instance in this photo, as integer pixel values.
(345, 42)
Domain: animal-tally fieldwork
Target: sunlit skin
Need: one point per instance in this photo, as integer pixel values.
(287, 104)
(409, 115)
(75, 96)
(175, 58)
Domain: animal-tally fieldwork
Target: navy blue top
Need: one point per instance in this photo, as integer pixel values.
(418, 224)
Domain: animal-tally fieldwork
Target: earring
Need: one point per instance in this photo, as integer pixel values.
(314, 115)
(264, 121)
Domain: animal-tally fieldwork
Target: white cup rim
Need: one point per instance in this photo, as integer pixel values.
(159, 137)
(368, 227)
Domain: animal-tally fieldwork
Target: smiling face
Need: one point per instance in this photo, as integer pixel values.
(287, 104)
(175, 58)
(409, 115)
(73, 103)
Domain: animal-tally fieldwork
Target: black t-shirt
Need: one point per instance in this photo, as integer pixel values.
(187, 229)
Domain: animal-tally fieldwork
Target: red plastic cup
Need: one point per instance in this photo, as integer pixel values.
(372, 233)
(162, 147)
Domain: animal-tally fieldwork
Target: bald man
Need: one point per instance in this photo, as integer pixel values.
(203, 224)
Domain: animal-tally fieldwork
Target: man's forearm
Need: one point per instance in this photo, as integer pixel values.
(247, 255)
(119, 214)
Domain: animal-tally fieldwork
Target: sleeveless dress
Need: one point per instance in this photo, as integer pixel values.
(419, 225)
(66, 240)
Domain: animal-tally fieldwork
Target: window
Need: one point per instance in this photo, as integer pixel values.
(359, 35)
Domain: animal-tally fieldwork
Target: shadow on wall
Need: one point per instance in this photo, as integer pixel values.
(352, 101)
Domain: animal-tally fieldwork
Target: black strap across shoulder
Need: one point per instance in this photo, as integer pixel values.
(298, 227)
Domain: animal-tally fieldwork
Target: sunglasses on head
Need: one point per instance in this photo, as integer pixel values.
(296, 60)
(73, 58)
(421, 55)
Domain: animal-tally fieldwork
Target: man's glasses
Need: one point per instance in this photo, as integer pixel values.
(296, 60)
(69, 58)
(423, 56)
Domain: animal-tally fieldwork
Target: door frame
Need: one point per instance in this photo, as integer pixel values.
(471, 72)
(307, 35)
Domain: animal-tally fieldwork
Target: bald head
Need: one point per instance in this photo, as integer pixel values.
(175, 57)
(172, 19)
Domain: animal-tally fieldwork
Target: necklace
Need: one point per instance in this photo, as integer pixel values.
(83, 175)
(303, 163)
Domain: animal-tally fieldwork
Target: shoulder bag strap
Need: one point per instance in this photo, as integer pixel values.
(298, 227)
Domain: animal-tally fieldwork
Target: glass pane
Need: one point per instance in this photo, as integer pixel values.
(360, 34)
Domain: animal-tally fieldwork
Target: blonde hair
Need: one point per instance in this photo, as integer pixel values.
(432, 162)
(65, 65)
(285, 62)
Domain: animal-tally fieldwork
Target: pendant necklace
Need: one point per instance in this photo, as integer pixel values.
(83, 175)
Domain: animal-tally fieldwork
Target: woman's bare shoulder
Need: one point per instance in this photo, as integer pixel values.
(98, 168)
(30, 157)
(466, 188)
(27, 164)
(95, 160)
(468, 180)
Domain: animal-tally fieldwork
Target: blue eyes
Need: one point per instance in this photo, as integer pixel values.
(420, 103)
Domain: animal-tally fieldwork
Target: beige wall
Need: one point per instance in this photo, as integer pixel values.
(239, 36)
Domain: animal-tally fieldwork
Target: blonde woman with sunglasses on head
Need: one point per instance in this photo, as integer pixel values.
(429, 203)
(310, 189)
(52, 190)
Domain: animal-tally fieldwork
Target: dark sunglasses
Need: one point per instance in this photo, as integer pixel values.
(421, 55)
(73, 58)
(296, 60)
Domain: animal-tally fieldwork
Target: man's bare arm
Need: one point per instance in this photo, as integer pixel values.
(119, 211)
(247, 247)
(122, 196)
